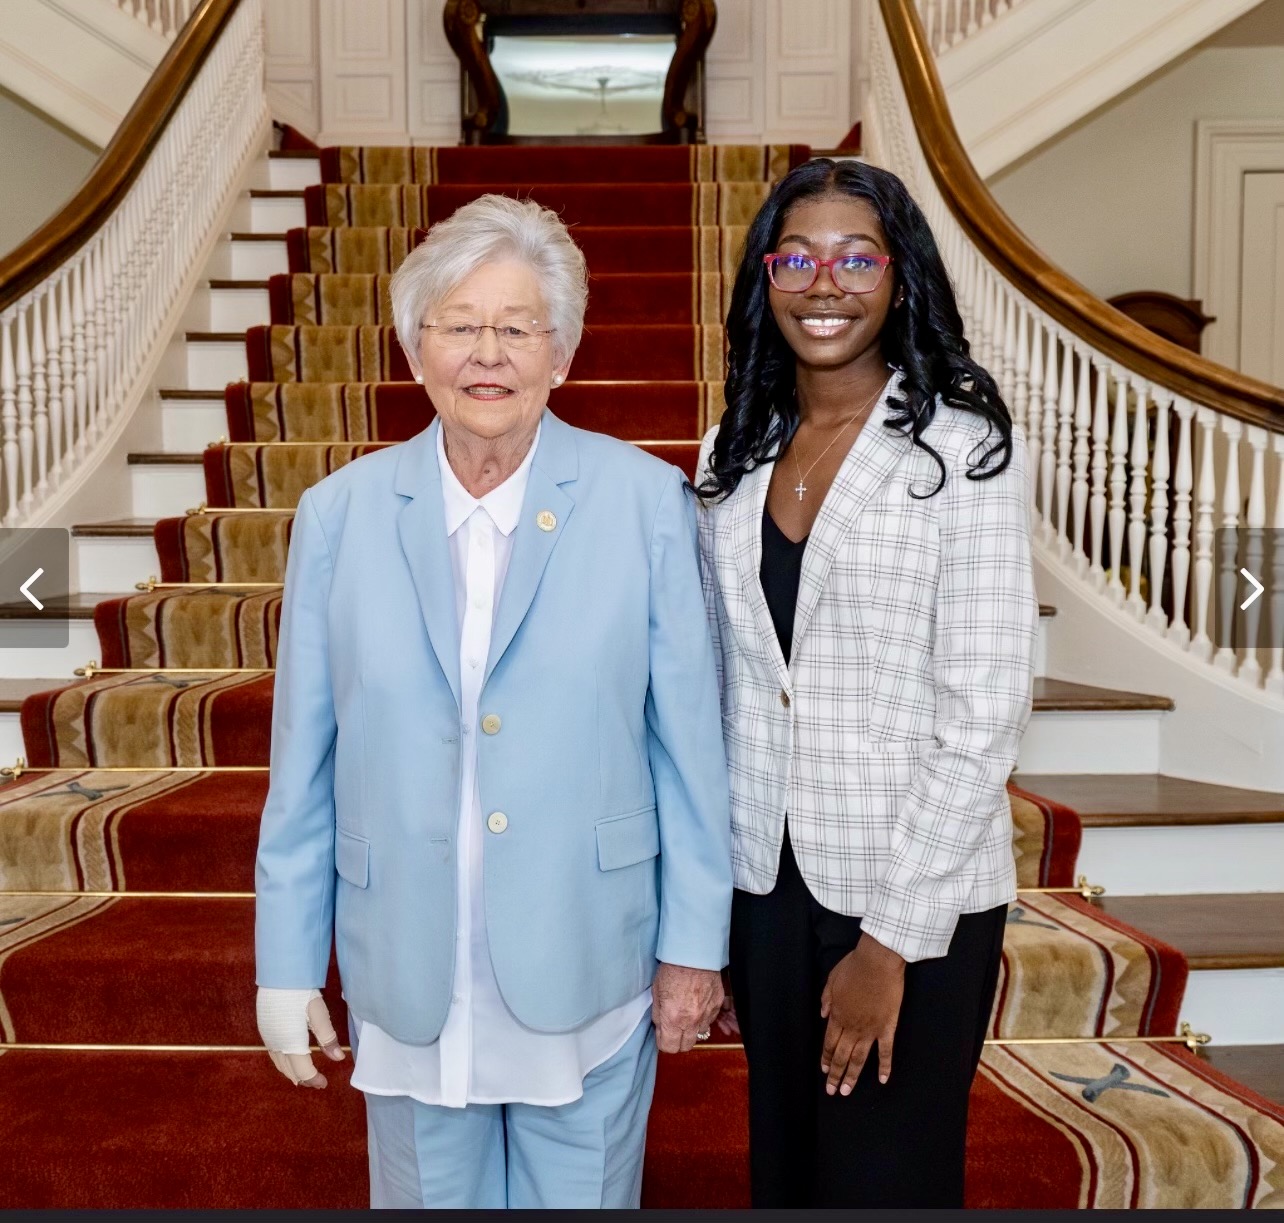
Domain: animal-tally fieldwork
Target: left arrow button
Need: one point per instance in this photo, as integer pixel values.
(25, 588)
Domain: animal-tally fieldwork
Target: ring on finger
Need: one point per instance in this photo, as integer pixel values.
(702, 1036)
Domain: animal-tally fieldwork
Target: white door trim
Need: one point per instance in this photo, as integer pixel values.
(1226, 150)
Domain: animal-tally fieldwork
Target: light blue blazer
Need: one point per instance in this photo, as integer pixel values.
(607, 763)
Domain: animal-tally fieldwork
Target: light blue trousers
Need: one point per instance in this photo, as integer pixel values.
(582, 1155)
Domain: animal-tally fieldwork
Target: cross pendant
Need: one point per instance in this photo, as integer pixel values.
(802, 488)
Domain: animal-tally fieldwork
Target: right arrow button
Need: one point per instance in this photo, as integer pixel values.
(1257, 590)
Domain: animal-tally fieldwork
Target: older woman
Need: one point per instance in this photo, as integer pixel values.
(496, 720)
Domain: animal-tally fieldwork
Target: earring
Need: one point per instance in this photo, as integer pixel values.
(557, 379)
(419, 378)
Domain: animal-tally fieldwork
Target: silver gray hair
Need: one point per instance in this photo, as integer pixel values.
(493, 227)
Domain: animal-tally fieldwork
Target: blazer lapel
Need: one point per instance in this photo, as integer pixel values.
(749, 503)
(872, 459)
(421, 528)
(556, 463)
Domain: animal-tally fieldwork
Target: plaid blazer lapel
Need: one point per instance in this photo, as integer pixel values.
(749, 502)
(871, 460)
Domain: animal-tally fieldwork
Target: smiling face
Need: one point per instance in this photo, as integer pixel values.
(486, 388)
(826, 327)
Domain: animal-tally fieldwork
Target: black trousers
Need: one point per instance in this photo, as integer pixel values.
(894, 1145)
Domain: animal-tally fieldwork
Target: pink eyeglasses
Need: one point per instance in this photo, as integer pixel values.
(796, 273)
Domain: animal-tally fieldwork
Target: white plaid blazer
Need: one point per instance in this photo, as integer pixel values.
(890, 737)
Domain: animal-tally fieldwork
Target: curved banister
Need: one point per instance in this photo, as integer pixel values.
(121, 162)
(89, 302)
(1012, 254)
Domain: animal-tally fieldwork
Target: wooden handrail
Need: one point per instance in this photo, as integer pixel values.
(40, 255)
(1018, 261)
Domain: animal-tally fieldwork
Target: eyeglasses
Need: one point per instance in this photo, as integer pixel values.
(795, 273)
(460, 333)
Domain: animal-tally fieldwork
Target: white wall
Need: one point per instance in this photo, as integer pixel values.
(1111, 200)
(45, 163)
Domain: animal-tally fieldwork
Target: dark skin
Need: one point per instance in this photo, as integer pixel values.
(837, 375)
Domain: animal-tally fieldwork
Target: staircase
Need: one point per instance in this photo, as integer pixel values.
(126, 919)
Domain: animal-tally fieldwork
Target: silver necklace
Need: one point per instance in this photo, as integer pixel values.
(802, 475)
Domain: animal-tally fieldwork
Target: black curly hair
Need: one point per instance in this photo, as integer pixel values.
(923, 338)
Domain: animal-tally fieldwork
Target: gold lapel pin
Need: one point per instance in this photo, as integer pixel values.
(546, 520)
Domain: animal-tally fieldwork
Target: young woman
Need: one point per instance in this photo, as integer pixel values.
(864, 529)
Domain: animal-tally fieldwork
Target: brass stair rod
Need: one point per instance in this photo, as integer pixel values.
(1192, 1040)
(91, 669)
(152, 584)
(204, 510)
(49, 894)
(12, 772)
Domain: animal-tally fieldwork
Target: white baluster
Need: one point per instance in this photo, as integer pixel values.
(54, 340)
(1097, 496)
(1275, 676)
(1020, 400)
(1047, 493)
(38, 485)
(68, 370)
(112, 287)
(9, 417)
(1160, 470)
(100, 342)
(1065, 439)
(1139, 458)
(972, 24)
(91, 343)
(1118, 516)
(1254, 553)
(1201, 645)
(83, 350)
(1227, 568)
(1079, 483)
(1034, 412)
(22, 351)
(1183, 483)
(1005, 329)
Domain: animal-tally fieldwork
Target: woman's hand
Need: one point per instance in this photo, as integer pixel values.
(285, 1017)
(862, 1001)
(684, 1001)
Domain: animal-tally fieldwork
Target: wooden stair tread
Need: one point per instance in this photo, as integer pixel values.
(1228, 930)
(220, 337)
(1116, 800)
(276, 193)
(161, 457)
(116, 528)
(186, 392)
(241, 236)
(1260, 1067)
(238, 284)
(79, 605)
(1060, 694)
(14, 691)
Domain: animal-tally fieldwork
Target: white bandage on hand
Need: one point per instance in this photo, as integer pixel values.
(284, 1017)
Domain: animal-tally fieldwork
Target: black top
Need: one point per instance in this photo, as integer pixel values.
(779, 574)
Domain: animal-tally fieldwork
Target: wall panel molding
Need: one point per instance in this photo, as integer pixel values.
(1225, 151)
